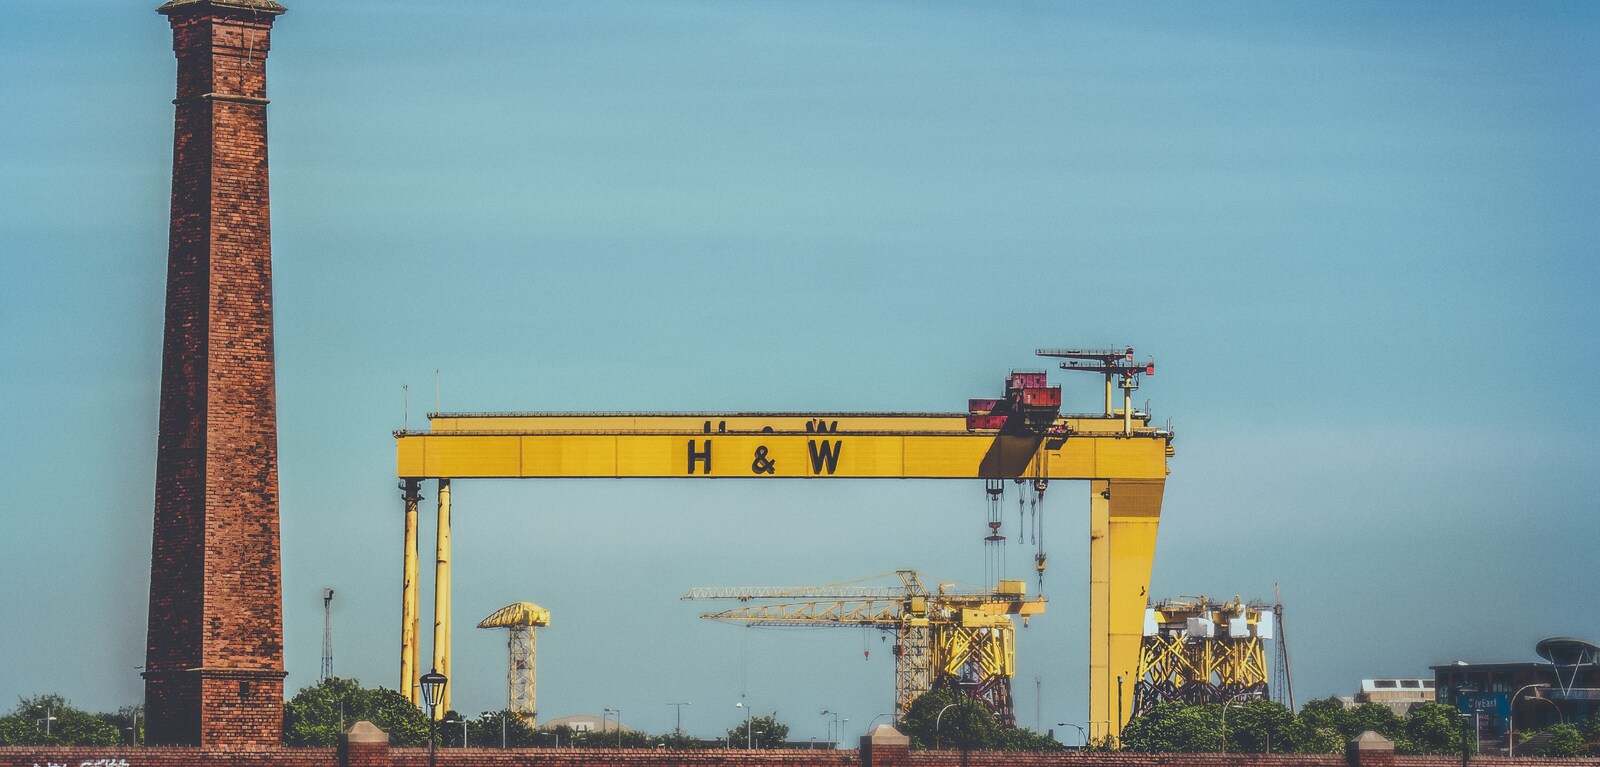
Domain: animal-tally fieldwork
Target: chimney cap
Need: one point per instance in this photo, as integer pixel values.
(254, 6)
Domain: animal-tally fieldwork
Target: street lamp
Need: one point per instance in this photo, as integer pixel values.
(1469, 723)
(1511, 718)
(618, 712)
(1227, 704)
(46, 720)
(969, 685)
(679, 728)
(749, 738)
(936, 724)
(1083, 736)
(432, 684)
(836, 727)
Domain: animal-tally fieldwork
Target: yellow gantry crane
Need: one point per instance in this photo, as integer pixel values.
(1021, 435)
(1201, 651)
(521, 676)
(963, 640)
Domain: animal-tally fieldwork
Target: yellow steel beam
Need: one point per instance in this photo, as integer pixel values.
(871, 446)
(1124, 518)
(1125, 458)
(441, 597)
(410, 614)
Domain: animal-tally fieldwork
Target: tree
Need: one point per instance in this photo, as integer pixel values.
(26, 726)
(129, 721)
(1372, 716)
(1565, 740)
(493, 727)
(1175, 727)
(965, 723)
(318, 714)
(614, 738)
(760, 731)
(1299, 737)
(1323, 713)
(1255, 726)
(1433, 728)
(946, 719)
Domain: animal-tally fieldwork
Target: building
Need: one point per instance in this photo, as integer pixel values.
(1400, 695)
(585, 723)
(1530, 695)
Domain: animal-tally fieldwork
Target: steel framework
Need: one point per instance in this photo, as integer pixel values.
(964, 640)
(1020, 436)
(1197, 651)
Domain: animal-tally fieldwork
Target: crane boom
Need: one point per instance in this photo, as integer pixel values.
(941, 638)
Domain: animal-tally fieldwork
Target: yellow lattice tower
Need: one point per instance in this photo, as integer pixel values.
(942, 637)
(521, 683)
(1197, 651)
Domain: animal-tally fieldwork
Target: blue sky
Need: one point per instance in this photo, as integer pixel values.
(1357, 238)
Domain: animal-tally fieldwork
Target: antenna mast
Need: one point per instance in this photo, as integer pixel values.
(1282, 679)
(327, 634)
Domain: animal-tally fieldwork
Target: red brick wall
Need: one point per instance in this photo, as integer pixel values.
(214, 656)
(20, 756)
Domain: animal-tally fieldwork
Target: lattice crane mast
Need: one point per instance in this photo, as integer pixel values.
(521, 680)
(961, 639)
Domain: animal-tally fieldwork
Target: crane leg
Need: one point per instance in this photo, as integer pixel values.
(1124, 516)
(410, 613)
(441, 597)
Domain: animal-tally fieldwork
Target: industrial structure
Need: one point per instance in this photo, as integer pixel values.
(963, 640)
(1022, 435)
(1282, 687)
(213, 668)
(1526, 695)
(521, 678)
(327, 635)
(1200, 651)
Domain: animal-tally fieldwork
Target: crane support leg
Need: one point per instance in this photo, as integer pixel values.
(410, 612)
(1124, 516)
(441, 597)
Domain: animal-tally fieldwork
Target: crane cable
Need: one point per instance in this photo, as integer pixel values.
(994, 542)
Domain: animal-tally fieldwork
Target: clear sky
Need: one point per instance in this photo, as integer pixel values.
(1358, 238)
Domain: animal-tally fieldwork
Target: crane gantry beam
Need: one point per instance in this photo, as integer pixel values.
(1024, 436)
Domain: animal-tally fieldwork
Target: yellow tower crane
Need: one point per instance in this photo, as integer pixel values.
(1199, 651)
(521, 681)
(963, 640)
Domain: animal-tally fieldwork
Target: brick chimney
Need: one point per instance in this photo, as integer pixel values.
(214, 658)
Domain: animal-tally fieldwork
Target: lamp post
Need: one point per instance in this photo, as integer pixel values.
(679, 728)
(964, 688)
(48, 718)
(936, 720)
(463, 732)
(1227, 704)
(432, 684)
(1120, 721)
(1225, 708)
(1469, 723)
(1083, 735)
(1511, 718)
(618, 712)
(749, 739)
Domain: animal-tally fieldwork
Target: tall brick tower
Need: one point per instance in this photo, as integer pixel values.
(214, 660)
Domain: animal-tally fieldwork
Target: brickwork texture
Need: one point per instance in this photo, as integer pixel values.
(107, 756)
(214, 655)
